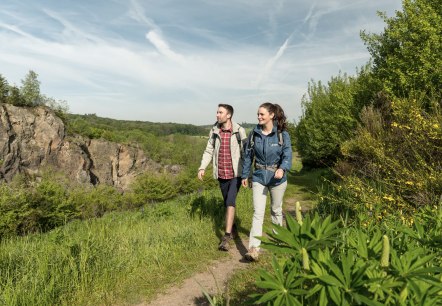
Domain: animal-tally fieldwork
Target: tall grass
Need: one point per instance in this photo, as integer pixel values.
(125, 256)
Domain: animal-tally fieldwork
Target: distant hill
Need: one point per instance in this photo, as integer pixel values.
(90, 123)
(247, 126)
(92, 126)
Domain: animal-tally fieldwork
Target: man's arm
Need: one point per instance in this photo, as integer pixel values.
(207, 156)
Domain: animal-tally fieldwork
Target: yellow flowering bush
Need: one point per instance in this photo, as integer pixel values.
(395, 168)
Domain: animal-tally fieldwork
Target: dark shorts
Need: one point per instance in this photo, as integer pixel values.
(229, 189)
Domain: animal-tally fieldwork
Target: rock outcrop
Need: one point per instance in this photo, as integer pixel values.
(34, 138)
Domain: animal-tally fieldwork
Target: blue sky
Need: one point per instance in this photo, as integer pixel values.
(175, 60)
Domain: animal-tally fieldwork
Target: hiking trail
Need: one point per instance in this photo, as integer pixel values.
(214, 279)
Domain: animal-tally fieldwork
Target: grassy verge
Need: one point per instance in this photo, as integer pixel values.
(302, 185)
(126, 257)
(118, 258)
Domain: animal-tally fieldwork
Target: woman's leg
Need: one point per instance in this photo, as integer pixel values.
(276, 196)
(259, 207)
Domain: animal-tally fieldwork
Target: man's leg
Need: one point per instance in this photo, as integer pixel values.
(230, 217)
(231, 228)
(230, 202)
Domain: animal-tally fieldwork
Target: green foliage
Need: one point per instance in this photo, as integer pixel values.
(94, 201)
(30, 89)
(179, 148)
(352, 271)
(28, 94)
(80, 123)
(118, 259)
(14, 97)
(150, 188)
(393, 164)
(327, 120)
(313, 233)
(4, 89)
(407, 56)
(30, 205)
(34, 208)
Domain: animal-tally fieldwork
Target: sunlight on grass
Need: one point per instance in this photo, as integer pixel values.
(120, 257)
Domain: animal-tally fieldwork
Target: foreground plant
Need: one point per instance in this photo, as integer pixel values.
(315, 267)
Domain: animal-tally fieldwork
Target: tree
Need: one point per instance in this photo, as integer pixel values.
(14, 96)
(328, 120)
(4, 89)
(30, 89)
(407, 56)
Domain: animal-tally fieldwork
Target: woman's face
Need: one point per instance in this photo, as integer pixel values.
(264, 117)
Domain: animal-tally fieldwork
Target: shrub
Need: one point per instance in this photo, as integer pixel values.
(364, 267)
(395, 162)
(327, 121)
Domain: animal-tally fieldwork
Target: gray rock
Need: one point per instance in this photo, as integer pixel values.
(34, 138)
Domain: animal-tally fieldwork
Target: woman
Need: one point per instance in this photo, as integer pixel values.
(269, 144)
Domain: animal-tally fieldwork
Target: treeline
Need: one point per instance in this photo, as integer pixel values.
(94, 127)
(380, 130)
(28, 94)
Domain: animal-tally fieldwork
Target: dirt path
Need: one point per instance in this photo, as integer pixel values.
(213, 280)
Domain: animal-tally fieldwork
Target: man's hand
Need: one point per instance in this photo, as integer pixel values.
(201, 173)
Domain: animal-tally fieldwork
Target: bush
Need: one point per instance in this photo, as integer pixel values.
(328, 120)
(393, 163)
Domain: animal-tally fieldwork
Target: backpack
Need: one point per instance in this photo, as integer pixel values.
(251, 139)
(238, 137)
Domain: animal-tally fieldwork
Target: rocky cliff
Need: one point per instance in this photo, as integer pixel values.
(34, 138)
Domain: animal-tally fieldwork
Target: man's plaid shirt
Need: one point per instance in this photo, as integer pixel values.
(225, 167)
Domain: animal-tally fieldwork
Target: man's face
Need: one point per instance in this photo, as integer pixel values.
(222, 116)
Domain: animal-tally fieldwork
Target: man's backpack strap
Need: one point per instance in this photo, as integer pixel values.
(251, 140)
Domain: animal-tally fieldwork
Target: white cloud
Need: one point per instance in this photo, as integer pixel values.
(162, 46)
(175, 63)
(271, 62)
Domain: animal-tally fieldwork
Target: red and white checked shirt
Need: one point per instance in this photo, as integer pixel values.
(225, 167)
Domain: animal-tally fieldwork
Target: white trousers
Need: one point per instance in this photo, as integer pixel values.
(259, 206)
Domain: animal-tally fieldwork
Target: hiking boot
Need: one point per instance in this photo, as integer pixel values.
(225, 243)
(252, 254)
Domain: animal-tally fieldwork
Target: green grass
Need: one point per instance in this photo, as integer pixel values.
(128, 257)
(119, 258)
(302, 184)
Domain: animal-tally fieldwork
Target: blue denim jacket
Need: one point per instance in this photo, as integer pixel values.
(267, 151)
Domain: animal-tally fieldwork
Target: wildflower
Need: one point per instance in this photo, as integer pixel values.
(409, 183)
(305, 259)
(385, 257)
(388, 198)
(298, 213)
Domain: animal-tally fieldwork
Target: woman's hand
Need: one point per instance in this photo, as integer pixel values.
(245, 183)
(279, 174)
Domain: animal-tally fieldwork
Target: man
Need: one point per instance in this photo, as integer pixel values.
(224, 149)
